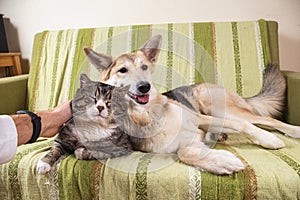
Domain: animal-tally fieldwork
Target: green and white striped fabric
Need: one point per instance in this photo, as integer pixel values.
(230, 54)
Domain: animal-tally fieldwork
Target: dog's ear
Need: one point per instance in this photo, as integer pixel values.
(151, 48)
(100, 61)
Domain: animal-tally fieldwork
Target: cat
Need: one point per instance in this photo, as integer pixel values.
(91, 132)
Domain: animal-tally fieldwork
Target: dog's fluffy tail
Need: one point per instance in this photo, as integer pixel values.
(270, 100)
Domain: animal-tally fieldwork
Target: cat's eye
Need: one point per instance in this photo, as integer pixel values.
(96, 98)
(108, 104)
(123, 70)
(97, 92)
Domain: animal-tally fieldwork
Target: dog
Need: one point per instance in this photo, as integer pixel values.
(177, 121)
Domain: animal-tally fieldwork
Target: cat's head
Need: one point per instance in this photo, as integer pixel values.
(93, 100)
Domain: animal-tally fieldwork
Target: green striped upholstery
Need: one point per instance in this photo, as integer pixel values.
(231, 54)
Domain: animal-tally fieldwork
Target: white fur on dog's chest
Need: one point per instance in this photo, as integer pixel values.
(173, 135)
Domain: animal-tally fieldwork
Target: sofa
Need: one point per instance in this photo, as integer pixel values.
(230, 54)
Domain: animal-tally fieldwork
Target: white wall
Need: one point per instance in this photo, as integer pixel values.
(31, 16)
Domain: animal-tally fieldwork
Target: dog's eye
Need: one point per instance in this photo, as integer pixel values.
(144, 67)
(123, 70)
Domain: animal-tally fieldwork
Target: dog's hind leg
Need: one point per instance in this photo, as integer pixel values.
(260, 136)
(267, 122)
(211, 160)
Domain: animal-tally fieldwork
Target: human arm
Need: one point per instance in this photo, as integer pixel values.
(18, 129)
(51, 121)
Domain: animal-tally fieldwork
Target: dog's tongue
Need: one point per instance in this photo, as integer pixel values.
(143, 99)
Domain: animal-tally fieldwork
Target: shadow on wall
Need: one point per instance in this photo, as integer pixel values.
(13, 42)
(289, 49)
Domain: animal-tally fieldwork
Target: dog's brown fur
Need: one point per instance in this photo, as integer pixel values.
(164, 124)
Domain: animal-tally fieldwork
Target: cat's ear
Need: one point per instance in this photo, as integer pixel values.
(151, 48)
(125, 89)
(99, 60)
(84, 79)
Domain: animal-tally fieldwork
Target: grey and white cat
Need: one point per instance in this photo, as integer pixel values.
(92, 132)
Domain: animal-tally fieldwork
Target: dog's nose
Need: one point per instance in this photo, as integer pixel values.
(143, 86)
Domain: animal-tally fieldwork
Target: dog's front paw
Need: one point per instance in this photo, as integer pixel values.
(211, 160)
(223, 162)
(42, 167)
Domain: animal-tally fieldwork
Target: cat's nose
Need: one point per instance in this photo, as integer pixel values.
(100, 108)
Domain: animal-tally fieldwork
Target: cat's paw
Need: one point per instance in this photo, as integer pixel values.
(83, 154)
(79, 153)
(42, 167)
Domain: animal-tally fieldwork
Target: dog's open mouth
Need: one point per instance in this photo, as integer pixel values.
(141, 99)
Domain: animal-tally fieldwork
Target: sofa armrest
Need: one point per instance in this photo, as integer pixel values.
(292, 112)
(13, 92)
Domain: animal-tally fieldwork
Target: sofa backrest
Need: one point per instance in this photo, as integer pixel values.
(230, 54)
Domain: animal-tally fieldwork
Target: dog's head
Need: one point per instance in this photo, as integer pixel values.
(134, 69)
